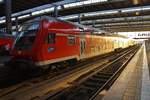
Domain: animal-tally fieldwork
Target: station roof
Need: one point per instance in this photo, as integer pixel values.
(102, 13)
(70, 6)
(21, 5)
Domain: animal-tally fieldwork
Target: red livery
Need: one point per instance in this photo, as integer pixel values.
(45, 40)
(6, 42)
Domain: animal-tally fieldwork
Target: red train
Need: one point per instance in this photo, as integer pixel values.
(43, 41)
(6, 42)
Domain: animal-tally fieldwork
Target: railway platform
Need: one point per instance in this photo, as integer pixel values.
(134, 81)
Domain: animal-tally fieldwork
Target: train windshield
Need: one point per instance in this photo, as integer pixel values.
(4, 35)
(27, 35)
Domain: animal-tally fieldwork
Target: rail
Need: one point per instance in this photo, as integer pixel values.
(87, 86)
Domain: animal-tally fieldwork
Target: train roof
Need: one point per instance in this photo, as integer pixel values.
(51, 19)
(79, 26)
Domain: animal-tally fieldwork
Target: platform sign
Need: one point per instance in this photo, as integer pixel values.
(144, 34)
(136, 35)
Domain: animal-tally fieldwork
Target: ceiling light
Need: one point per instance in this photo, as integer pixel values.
(137, 13)
(43, 11)
(86, 2)
(2, 21)
(135, 2)
(69, 17)
(1, 0)
(24, 16)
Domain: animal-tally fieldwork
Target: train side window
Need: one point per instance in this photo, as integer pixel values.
(71, 40)
(51, 38)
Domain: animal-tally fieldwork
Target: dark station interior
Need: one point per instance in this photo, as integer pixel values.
(74, 49)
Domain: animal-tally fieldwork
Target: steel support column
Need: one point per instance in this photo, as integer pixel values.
(93, 23)
(8, 16)
(56, 11)
(16, 23)
(79, 18)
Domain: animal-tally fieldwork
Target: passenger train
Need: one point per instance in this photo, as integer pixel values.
(6, 42)
(46, 40)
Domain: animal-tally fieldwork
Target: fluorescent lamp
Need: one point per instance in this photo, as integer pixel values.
(13, 19)
(43, 11)
(75, 4)
(90, 14)
(131, 10)
(2, 21)
(136, 9)
(23, 16)
(69, 17)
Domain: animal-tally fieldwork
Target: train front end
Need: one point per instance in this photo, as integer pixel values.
(6, 41)
(25, 49)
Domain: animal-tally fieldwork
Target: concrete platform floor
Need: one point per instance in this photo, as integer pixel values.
(134, 81)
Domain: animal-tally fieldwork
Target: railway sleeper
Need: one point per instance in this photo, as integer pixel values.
(107, 70)
(79, 94)
(103, 75)
(113, 58)
(93, 79)
(114, 70)
(88, 90)
(93, 85)
(99, 79)
(100, 76)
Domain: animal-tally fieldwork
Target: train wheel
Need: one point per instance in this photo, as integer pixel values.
(72, 62)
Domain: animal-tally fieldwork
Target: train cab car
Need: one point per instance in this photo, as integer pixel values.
(43, 41)
(6, 42)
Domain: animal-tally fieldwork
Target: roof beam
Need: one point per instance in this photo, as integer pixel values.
(8, 16)
(42, 7)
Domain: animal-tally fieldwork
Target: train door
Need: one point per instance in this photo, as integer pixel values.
(82, 46)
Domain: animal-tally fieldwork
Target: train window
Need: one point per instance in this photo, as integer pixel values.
(29, 26)
(51, 38)
(71, 40)
(25, 40)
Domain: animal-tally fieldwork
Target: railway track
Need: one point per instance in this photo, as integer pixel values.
(7, 75)
(27, 89)
(89, 85)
